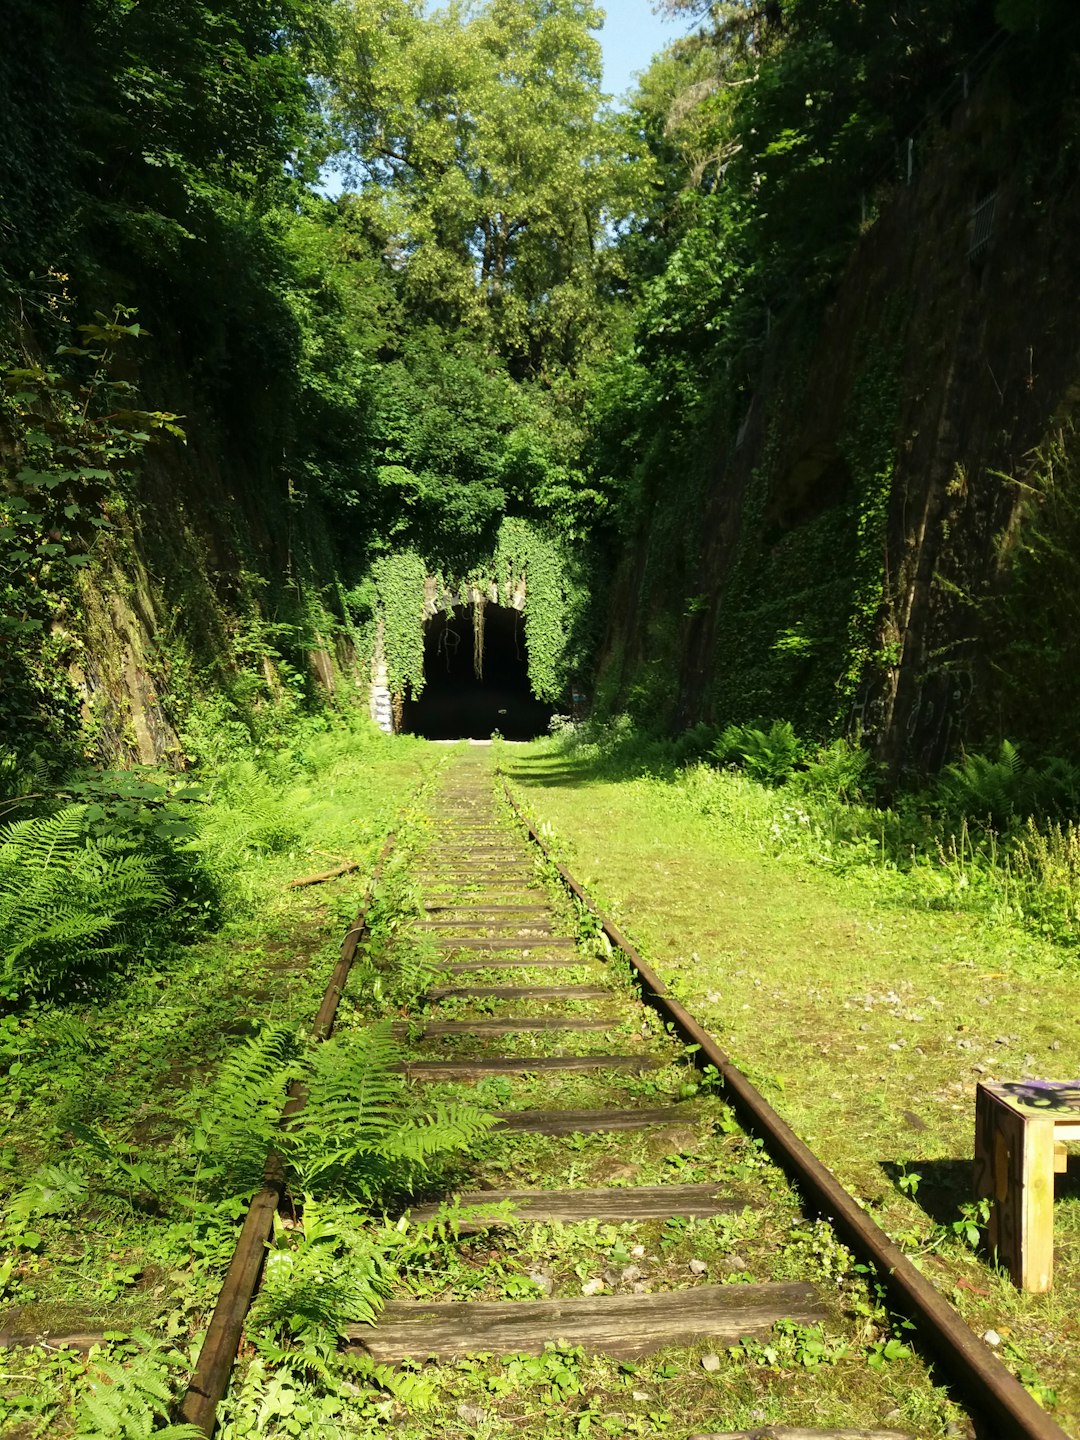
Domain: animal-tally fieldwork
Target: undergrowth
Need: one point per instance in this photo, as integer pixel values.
(994, 835)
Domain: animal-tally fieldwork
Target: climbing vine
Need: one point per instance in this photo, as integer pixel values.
(869, 446)
(523, 554)
(400, 581)
(72, 439)
(525, 569)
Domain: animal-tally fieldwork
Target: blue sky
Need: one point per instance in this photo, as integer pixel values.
(631, 36)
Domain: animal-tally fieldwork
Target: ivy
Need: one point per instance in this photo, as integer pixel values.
(75, 438)
(400, 583)
(869, 446)
(523, 554)
(524, 563)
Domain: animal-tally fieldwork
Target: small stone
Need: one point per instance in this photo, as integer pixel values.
(542, 1281)
(894, 1046)
(630, 1273)
(991, 1337)
(735, 1264)
(698, 1267)
(641, 1287)
(711, 1363)
(637, 1251)
(980, 1069)
(471, 1414)
(1055, 1044)
(593, 1287)
(642, 1395)
(612, 1278)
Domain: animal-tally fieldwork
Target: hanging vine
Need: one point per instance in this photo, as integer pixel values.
(400, 582)
(525, 570)
(526, 558)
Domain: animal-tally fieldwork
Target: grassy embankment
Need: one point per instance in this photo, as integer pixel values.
(865, 1002)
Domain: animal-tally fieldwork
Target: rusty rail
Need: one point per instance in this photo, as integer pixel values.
(218, 1353)
(986, 1382)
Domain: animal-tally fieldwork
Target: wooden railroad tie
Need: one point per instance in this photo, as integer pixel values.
(788, 1432)
(621, 1325)
(531, 962)
(589, 1122)
(511, 1025)
(519, 992)
(523, 927)
(478, 1066)
(476, 942)
(607, 1202)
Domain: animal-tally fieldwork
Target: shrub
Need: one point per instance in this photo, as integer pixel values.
(770, 756)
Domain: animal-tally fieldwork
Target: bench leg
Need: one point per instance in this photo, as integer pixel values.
(1014, 1170)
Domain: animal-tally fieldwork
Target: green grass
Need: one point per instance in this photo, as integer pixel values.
(115, 1080)
(833, 1374)
(864, 1015)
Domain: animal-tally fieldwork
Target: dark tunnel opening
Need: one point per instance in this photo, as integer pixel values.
(458, 705)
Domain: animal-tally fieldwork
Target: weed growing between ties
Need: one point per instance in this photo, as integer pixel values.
(865, 994)
(152, 946)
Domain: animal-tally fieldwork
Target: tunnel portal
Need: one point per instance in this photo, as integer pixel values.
(456, 704)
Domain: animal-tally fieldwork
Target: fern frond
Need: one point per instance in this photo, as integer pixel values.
(241, 1120)
(449, 1128)
(52, 1190)
(332, 1274)
(413, 1389)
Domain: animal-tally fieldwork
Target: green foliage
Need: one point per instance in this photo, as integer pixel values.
(768, 755)
(360, 1134)
(127, 1396)
(328, 1272)
(842, 770)
(998, 791)
(69, 906)
(400, 583)
(477, 134)
(525, 556)
(75, 439)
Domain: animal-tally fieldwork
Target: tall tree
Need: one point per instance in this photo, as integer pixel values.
(487, 158)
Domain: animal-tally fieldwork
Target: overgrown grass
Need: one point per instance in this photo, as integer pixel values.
(866, 966)
(995, 837)
(121, 1191)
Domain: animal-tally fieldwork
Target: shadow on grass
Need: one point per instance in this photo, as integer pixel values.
(946, 1185)
(621, 757)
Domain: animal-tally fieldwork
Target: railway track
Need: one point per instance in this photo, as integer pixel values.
(615, 1110)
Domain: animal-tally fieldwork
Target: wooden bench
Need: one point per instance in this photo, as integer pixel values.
(1020, 1132)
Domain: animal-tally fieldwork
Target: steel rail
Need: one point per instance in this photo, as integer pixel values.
(986, 1382)
(218, 1353)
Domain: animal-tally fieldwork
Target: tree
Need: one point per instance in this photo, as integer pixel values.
(479, 137)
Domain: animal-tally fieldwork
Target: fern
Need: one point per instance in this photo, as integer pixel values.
(360, 1130)
(770, 756)
(52, 1190)
(240, 1125)
(982, 788)
(360, 1133)
(128, 1399)
(329, 1273)
(66, 902)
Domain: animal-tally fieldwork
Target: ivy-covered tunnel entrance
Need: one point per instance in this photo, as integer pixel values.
(476, 678)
